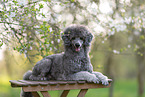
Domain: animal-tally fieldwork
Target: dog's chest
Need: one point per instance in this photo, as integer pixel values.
(76, 64)
(77, 61)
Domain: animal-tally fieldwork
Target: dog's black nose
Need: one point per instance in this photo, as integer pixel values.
(77, 45)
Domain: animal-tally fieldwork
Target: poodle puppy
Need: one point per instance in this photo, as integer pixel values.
(73, 64)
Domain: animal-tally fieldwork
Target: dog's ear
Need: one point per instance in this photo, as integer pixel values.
(88, 39)
(66, 39)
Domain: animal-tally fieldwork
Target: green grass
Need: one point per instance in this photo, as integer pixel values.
(122, 88)
(125, 89)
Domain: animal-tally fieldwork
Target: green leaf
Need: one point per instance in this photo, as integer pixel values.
(1, 44)
(142, 37)
(6, 16)
(40, 6)
(14, 48)
(72, 0)
(41, 48)
(139, 53)
(121, 50)
(45, 42)
(14, 1)
(49, 0)
(42, 37)
(66, 2)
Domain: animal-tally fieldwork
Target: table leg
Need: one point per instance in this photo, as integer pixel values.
(45, 94)
(64, 93)
(82, 92)
(35, 94)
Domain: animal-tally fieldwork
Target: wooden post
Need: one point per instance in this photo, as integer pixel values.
(35, 94)
(45, 94)
(82, 92)
(65, 93)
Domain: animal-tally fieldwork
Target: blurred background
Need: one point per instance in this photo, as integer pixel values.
(31, 30)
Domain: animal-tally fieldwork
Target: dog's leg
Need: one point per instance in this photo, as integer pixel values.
(26, 77)
(41, 70)
(84, 75)
(102, 78)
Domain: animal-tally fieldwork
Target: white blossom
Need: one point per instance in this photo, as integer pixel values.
(116, 52)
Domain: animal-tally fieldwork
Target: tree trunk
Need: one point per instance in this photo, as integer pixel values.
(109, 73)
(109, 65)
(140, 76)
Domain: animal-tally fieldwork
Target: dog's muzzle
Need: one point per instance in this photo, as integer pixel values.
(77, 47)
(77, 44)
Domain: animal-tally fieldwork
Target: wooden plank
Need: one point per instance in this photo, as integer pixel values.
(15, 83)
(82, 92)
(66, 82)
(64, 87)
(64, 93)
(37, 82)
(35, 94)
(29, 82)
(45, 94)
(21, 83)
(81, 82)
(71, 82)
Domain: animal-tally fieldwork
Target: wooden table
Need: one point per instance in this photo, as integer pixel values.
(44, 86)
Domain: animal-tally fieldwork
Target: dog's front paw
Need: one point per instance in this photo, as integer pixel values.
(43, 78)
(93, 79)
(105, 82)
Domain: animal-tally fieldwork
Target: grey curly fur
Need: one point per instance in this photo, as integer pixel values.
(73, 64)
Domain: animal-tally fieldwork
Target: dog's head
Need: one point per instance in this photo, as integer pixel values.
(77, 36)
